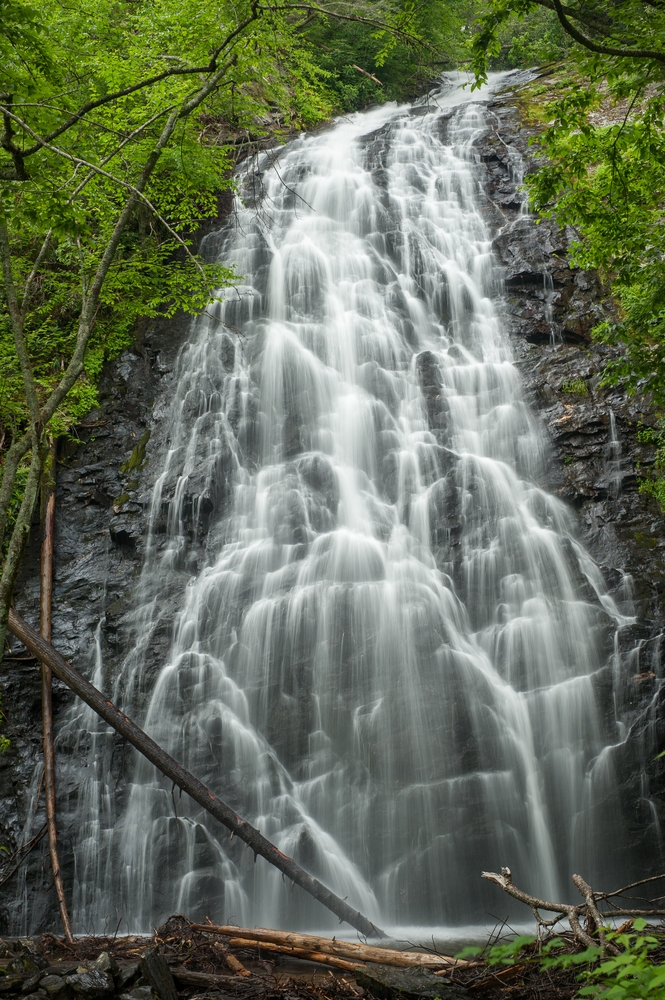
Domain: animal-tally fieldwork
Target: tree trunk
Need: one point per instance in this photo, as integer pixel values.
(45, 652)
(302, 953)
(47, 704)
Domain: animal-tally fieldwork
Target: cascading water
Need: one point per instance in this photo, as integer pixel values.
(389, 648)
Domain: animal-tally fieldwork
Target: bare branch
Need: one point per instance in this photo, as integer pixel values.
(572, 911)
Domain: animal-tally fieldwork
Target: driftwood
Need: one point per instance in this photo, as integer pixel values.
(46, 590)
(302, 953)
(45, 652)
(595, 921)
(204, 980)
(233, 963)
(289, 942)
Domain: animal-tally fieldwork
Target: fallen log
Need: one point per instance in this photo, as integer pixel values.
(45, 596)
(302, 953)
(232, 963)
(46, 653)
(185, 977)
(330, 946)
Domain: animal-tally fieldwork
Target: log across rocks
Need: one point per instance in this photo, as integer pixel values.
(290, 942)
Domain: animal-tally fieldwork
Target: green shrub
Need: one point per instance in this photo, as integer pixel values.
(629, 975)
(575, 385)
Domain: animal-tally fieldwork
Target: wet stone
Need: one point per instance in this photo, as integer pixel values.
(91, 984)
(138, 993)
(31, 984)
(389, 983)
(55, 987)
(155, 969)
(11, 984)
(105, 963)
(126, 976)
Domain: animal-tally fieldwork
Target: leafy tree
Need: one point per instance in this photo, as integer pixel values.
(102, 174)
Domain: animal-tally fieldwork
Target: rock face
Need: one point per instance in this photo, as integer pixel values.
(551, 308)
(596, 453)
(104, 483)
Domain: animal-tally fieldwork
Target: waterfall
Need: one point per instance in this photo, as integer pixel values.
(390, 652)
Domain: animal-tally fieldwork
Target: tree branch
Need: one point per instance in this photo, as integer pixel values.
(572, 911)
(10, 466)
(21, 532)
(603, 49)
(17, 325)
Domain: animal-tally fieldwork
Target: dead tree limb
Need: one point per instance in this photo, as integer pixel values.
(365, 73)
(596, 921)
(302, 953)
(183, 779)
(46, 585)
(21, 854)
(291, 941)
(233, 963)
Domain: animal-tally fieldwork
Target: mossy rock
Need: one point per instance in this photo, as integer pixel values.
(137, 459)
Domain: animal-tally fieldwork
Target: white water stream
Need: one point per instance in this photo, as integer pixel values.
(387, 645)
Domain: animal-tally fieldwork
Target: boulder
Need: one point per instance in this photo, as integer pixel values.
(91, 984)
(389, 983)
(55, 986)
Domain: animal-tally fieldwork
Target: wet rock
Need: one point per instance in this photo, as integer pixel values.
(30, 984)
(90, 984)
(155, 969)
(11, 984)
(138, 993)
(105, 963)
(389, 983)
(429, 379)
(28, 961)
(55, 987)
(126, 976)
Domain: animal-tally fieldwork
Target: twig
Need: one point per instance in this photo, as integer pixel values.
(24, 850)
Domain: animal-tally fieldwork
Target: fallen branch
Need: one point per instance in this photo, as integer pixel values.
(290, 941)
(183, 779)
(185, 977)
(233, 963)
(46, 590)
(365, 73)
(575, 912)
(21, 853)
(302, 953)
